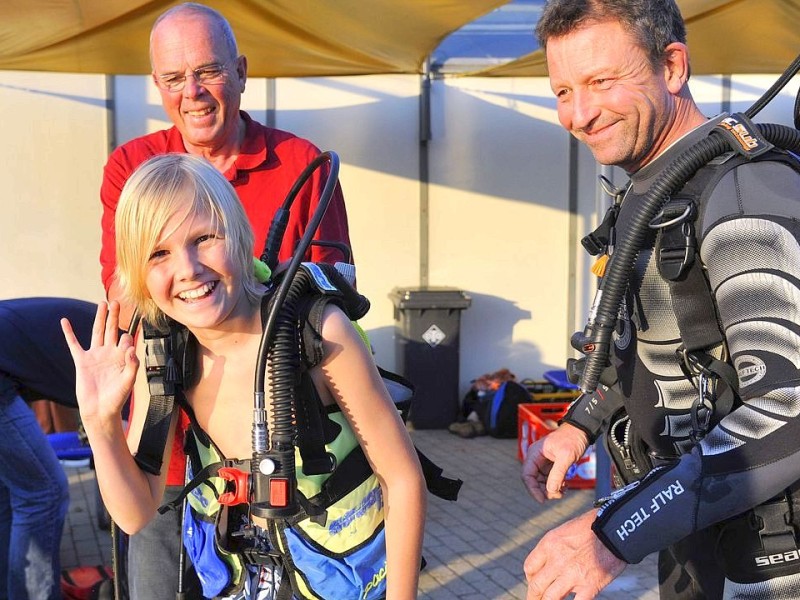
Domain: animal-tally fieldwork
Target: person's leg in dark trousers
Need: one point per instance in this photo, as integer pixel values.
(153, 555)
(34, 497)
(688, 570)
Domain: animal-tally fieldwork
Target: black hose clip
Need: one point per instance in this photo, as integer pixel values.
(703, 406)
(705, 403)
(598, 240)
(677, 241)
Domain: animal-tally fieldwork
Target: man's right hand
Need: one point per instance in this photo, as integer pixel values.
(549, 458)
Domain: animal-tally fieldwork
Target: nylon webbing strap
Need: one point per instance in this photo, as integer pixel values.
(311, 432)
(349, 474)
(150, 454)
(159, 363)
(285, 590)
(694, 306)
(437, 484)
(355, 467)
(202, 476)
(692, 297)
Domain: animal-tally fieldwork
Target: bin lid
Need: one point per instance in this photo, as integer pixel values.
(430, 298)
(558, 378)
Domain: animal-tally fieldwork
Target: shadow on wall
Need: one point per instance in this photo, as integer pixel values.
(485, 330)
(526, 120)
(396, 117)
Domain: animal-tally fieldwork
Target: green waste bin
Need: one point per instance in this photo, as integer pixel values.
(427, 324)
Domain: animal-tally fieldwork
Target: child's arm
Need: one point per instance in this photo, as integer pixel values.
(353, 380)
(105, 375)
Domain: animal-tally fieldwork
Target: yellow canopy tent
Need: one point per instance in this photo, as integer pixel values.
(281, 38)
(724, 37)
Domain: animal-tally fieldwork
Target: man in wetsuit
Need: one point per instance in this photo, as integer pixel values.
(717, 502)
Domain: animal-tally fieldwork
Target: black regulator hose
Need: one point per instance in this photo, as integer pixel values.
(283, 360)
(297, 258)
(773, 90)
(597, 343)
(273, 451)
(277, 227)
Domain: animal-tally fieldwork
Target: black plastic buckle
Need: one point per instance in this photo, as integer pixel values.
(772, 521)
(677, 242)
(160, 366)
(598, 240)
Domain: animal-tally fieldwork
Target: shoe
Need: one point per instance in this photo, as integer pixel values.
(467, 429)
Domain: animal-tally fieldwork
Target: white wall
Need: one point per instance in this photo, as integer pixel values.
(499, 228)
(54, 147)
(371, 123)
(499, 221)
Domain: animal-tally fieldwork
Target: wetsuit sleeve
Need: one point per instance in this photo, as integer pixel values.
(751, 249)
(591, 412)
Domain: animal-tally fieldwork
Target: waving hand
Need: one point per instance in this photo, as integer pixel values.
(105, 372)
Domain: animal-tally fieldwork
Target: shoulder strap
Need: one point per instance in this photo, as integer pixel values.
(161, 379)
(170, 359)
(676, 252)
(310, 410)
(676, 247)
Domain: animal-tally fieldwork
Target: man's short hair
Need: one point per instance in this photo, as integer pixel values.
(654, 23)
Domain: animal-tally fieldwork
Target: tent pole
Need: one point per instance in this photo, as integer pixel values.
(424, 172)
(271, 115)
(572, 240)
(111, 115)
(726, 93)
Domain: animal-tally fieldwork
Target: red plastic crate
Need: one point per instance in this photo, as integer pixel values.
(538, 419)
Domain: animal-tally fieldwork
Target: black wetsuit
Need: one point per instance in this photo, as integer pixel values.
(749, 242)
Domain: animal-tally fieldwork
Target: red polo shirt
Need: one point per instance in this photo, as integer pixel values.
(268, 165)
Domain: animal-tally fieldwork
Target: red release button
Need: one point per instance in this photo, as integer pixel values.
(278, 492)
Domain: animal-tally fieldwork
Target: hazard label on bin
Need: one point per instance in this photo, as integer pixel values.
(433, 336)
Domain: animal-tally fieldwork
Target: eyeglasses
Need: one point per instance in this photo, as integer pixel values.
(207, 75)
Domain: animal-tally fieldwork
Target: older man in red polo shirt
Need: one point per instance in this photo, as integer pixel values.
(201, 77)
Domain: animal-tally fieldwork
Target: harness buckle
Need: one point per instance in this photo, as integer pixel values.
(677, 242)
(703, 407)
(772, 521)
